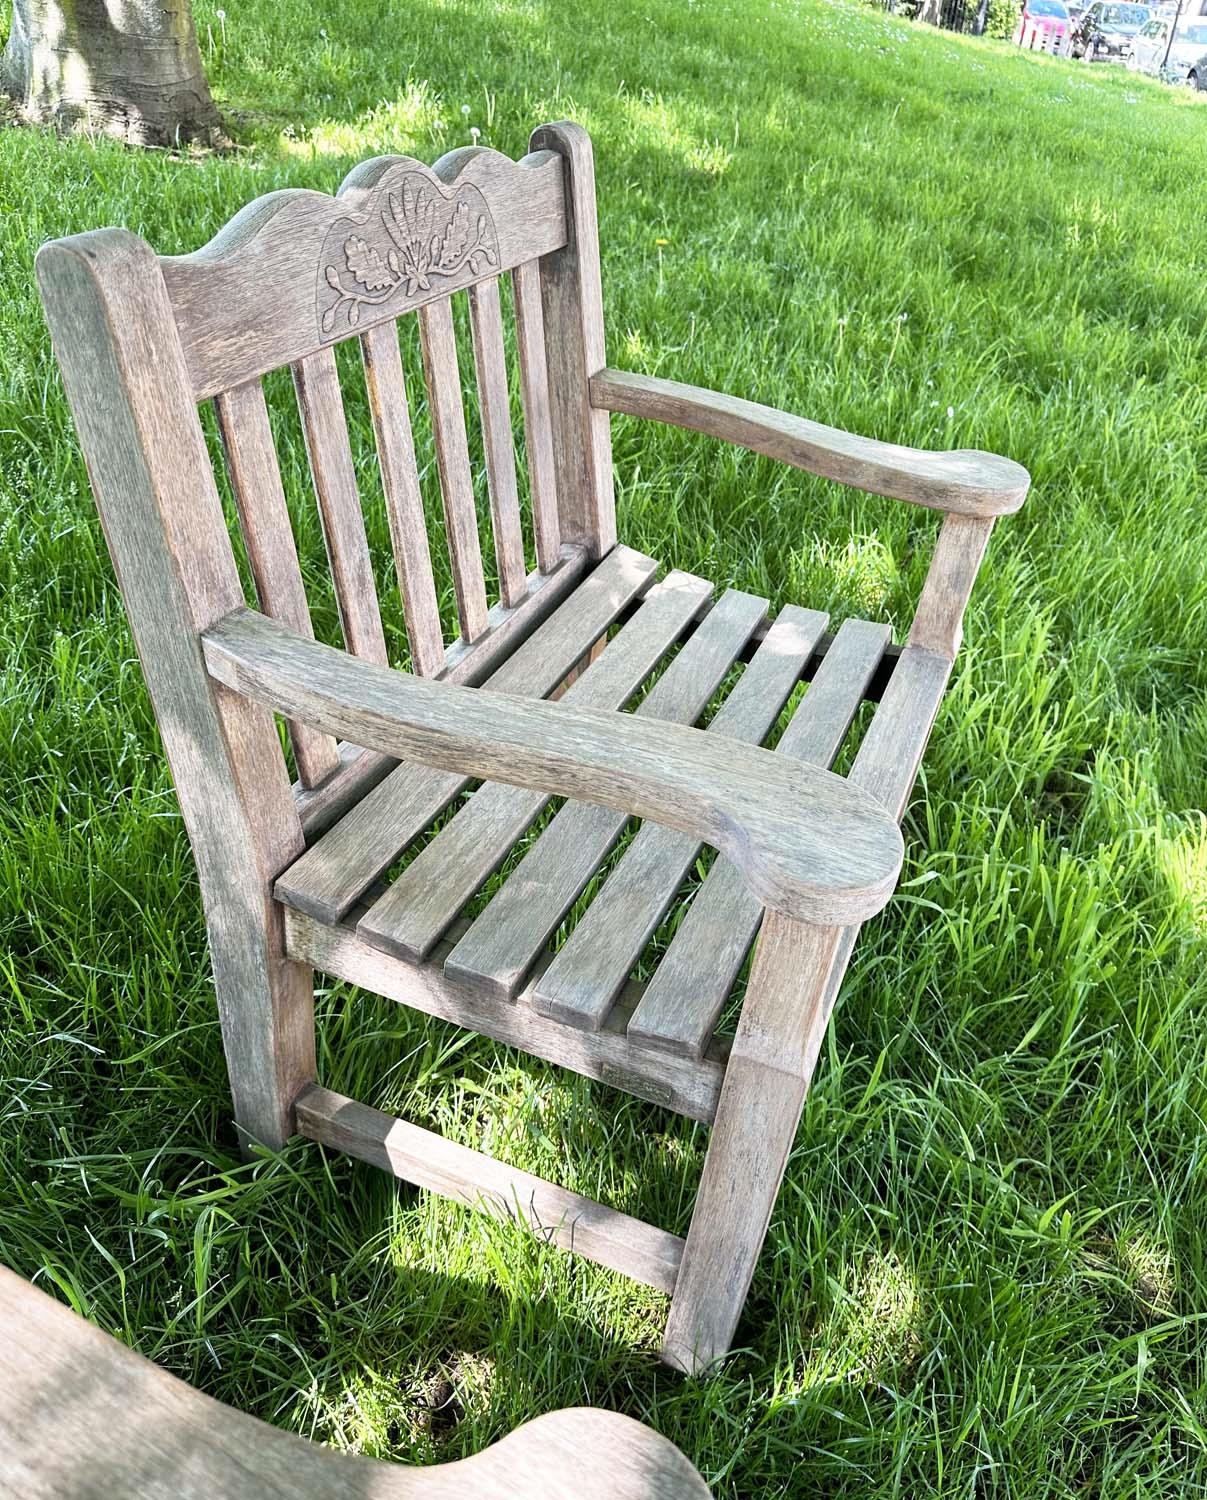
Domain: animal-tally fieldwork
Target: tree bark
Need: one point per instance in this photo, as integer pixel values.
(128, 68)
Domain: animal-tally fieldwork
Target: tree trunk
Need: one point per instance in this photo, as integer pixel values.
(131, 69)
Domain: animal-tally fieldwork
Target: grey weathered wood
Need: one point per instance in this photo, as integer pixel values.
(538, 431)
(253, 299)
(783, 1018)
(255, 476)
(592, 965)
(361, 770)
(939, 619)
(689, 1086)
(509, 626)
(83, 1417)
(808, 844)
(124, 372)
(316, 381)
(794, 983)
(641, 1251)
(486, 321)
(966, 481)
(691, 984)
(404, 501)
(425, 898)
(572, 307)
(141, 339)
(443, 378)
(886, 763)
(334, 873)
(504, 942)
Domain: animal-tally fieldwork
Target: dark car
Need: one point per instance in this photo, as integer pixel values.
(1106, 30)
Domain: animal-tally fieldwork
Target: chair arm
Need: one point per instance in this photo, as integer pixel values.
(807, 842)
(963, 481)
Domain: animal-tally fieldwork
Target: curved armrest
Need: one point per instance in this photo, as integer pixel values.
(965, 481)
(807, 842)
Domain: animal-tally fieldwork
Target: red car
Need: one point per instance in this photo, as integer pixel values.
(1045, 26)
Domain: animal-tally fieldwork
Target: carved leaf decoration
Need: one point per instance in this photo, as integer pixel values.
(416, 235)
(366, 264)
(456, 236)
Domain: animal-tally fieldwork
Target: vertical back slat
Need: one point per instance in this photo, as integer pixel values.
(255, 476)
(452, 456)
(538, 431)
(490, 362)
(404, 502)
(317, 383)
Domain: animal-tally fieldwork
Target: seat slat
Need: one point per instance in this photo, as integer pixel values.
(501, 946)
(404, 501)
(337, 870)
(886, 763)
(486, 321)
(689, 1086)
(255, 475)
(439, 344)
(684, 998)
(538, 429)
(589, 972)
(425, 899)
(317, 384)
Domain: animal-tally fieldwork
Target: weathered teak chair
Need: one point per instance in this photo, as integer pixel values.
(292, 877)
(84, 1418)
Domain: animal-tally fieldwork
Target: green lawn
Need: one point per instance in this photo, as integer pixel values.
(987, 1274)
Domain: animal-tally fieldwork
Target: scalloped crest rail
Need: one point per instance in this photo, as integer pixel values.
(573, 931)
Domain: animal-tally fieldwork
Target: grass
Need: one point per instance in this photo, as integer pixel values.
(987, 1274)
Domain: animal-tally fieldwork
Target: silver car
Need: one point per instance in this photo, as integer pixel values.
(1182, 60)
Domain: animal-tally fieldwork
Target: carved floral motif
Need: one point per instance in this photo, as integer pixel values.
(426, 236)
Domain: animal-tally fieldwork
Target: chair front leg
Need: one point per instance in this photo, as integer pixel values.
(793, 983)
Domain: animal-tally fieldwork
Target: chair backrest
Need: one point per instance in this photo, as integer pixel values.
(291, 276)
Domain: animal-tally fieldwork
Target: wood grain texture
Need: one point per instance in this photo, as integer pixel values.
(443, 379)
(641, 1251)
(254, 297)
(82, 1417)
(361, 770)
(690, 986)
(502, 945)
(688, 1086)
(783, 1019)
(335, 872)
(808, 844)
(255, 476)
(572, 309)
(404, 502)
(321, 405)
(965, 482)
(593, 963)
(421, 902)
(886, 763)
(939, 619)
(538, 429)
(126, 381)
(794, 983)
(486, 322)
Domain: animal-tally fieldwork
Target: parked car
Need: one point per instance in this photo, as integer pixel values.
(1106, 30)
(1044, 27)
(1147, 53)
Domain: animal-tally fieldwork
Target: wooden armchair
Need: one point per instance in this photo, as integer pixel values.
(292, 876)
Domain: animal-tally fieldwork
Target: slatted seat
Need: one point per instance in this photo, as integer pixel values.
(508, 834)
